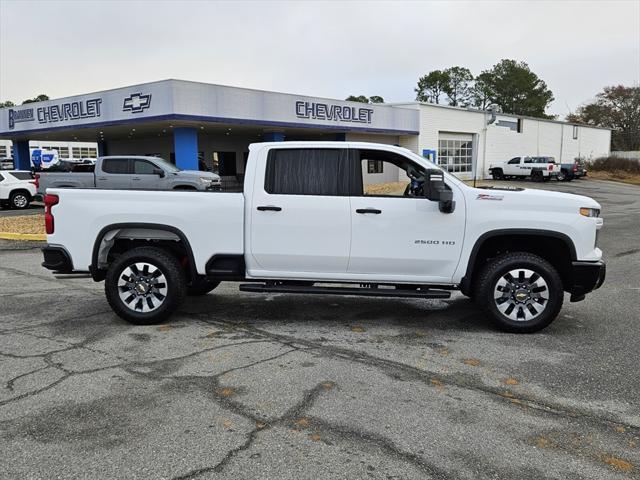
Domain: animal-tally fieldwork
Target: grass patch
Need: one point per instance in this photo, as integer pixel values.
(616, 176)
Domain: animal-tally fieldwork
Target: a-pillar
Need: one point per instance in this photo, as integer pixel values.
(21, 156)
(185, 143)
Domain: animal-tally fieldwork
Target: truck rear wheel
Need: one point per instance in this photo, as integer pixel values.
(520, 292)
(145, 285)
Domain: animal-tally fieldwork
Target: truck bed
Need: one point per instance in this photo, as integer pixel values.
(213, 222)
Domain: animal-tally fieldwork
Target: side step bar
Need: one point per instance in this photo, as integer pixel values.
(366, 291)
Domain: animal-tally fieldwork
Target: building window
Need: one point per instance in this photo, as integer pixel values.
(575, 132)
(374, 166)
(456, 155)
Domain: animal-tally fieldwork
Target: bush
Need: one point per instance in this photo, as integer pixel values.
(615, 164)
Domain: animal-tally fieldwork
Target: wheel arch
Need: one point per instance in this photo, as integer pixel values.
(136, 231)
(556, 247)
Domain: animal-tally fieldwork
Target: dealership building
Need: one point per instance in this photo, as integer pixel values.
(185, 122)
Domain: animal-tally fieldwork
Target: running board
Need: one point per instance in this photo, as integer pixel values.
(360, 291)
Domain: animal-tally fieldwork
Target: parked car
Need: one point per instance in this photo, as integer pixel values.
(570, 171)
(305, 219)
(538, 168)
(128, 172)
(17, 188)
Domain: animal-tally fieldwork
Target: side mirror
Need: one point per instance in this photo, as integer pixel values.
(437, 191)
(159, 172)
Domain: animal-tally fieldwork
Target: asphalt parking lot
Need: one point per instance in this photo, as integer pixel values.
(290, 387)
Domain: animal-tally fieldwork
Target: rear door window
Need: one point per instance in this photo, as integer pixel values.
(308, 171)
(22, 175)
(116, 165)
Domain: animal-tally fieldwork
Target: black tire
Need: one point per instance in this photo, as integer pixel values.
(495, 272)
(19, 200)
(201, 286)
(172, 276)
(497, 174)
(561, 177)
(536, 176)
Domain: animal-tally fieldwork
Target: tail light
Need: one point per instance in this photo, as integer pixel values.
(575, 167)
(36, 182)
(49, 202)
(550, 167)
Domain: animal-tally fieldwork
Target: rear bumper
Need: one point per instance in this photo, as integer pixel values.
(586, 277)
(57, 259)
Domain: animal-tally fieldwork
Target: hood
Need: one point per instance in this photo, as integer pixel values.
(198, 174)
(535, 199)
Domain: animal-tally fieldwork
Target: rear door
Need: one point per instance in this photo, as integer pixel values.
(300, 219)
(114, 173)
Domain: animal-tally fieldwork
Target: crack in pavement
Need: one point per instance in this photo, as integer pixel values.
(69, 373)
(403, 371)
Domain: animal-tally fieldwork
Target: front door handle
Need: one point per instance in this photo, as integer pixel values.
(269, 208)
(368, 210)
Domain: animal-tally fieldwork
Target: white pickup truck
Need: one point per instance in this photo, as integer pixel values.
(312, 220)
(538, 168)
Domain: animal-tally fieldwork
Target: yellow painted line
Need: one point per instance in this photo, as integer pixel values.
(22, 236)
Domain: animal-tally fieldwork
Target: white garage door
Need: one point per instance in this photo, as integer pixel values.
(455, 151)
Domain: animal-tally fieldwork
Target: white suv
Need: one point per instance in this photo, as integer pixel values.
(17, 188)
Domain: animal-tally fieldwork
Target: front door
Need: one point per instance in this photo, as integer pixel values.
(300, 216)
(397, 234)
(143, 177)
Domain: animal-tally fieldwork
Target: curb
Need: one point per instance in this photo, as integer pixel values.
(23, 236)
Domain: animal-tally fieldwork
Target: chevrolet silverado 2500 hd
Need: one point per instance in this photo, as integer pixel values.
(538, 168)
(377, 219)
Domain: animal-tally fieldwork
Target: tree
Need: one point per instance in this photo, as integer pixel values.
(518, 90)
(618, 108)
(359, 98)
(364, 99)
(431, 86)
(8, 103)
(481, 92)
(40, 98)
(458, 86)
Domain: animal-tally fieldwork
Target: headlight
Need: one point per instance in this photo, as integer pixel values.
(590, 212)
(205, 180)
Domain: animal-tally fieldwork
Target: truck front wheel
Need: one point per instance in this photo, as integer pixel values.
(520, 292)
(145, 285)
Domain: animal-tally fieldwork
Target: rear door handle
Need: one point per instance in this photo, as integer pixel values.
(269, 208)
(368, 210)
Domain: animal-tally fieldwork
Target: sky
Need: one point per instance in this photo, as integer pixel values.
(319, 48)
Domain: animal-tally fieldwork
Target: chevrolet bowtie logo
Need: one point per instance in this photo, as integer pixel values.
(136, 103)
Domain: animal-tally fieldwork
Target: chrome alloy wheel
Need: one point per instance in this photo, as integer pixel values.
(20, 200)
(142, 287)
(521, 295)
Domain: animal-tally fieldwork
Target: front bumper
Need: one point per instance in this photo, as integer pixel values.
(586, 277)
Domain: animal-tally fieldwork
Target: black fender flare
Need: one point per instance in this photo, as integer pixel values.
(465, 282)
(98, 274)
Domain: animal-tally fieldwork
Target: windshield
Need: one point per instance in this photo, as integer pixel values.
(167, 166)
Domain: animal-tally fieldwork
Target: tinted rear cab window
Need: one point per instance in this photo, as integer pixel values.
(115, 165)
(23, 175)
(308, 171)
